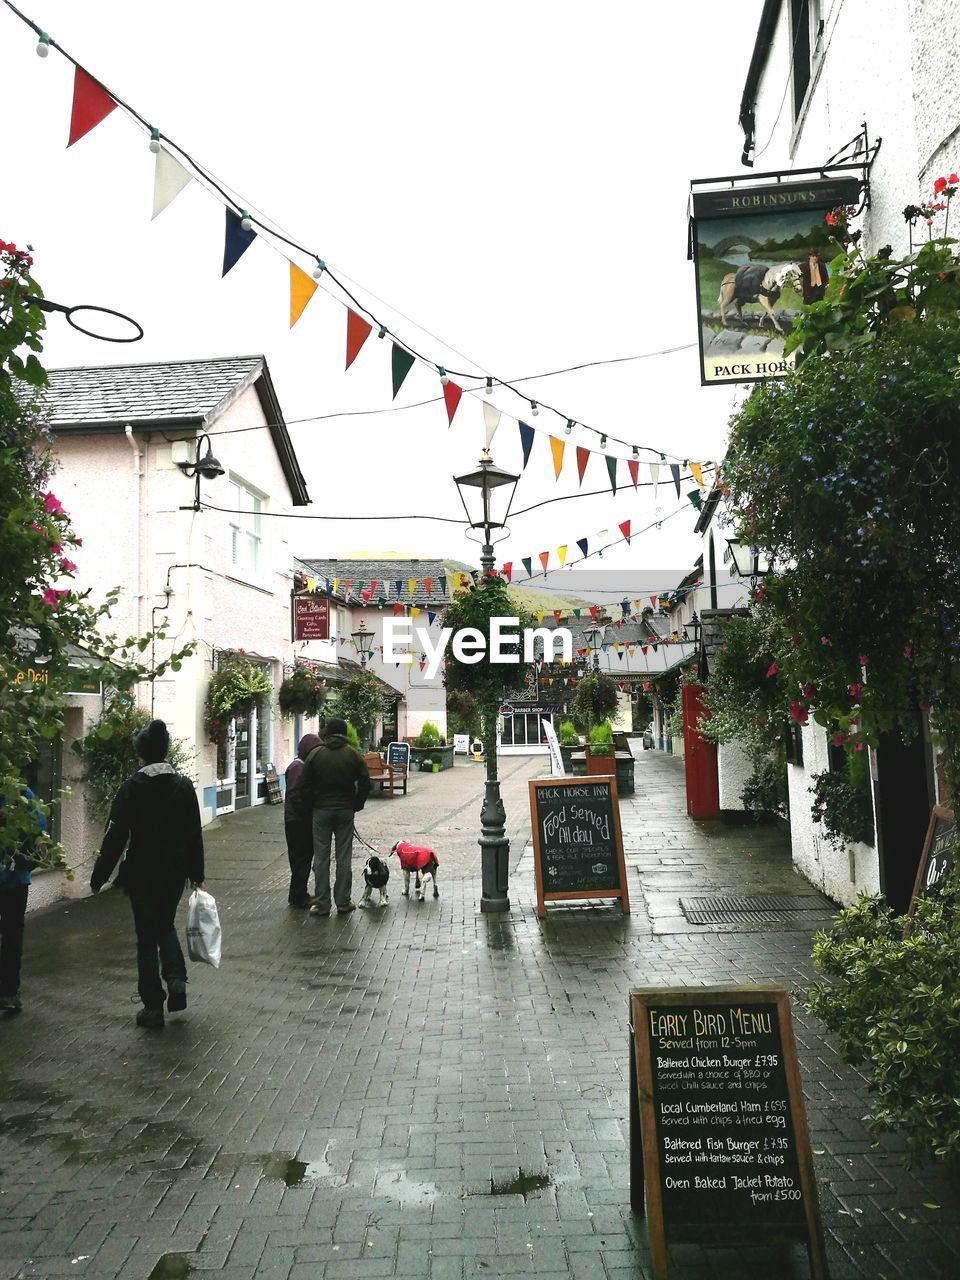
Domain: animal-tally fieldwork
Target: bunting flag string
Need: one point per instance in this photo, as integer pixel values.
(92, 102)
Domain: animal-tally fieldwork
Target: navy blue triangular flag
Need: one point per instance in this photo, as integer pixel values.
(675, 472)
(526, 440)
(582, 544)
(236, 241)
(399, 585)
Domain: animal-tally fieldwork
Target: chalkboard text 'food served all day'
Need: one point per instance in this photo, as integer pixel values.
(578, 846)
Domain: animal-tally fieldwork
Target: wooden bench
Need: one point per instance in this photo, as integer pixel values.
(392, 777)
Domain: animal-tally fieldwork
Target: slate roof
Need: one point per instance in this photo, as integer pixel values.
(167, 394)
(391, 571)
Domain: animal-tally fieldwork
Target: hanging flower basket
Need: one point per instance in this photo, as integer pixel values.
(301, 693)
(234, 688)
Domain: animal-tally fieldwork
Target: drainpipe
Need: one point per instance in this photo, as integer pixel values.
(138, 545)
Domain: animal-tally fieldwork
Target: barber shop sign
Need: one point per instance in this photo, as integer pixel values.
(760, 253)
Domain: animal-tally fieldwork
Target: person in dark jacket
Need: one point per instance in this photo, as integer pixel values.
(156, 810)
(298, 830)
(333, 786)
(15, 880)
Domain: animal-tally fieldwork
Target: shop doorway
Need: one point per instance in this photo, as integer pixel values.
(904, 798)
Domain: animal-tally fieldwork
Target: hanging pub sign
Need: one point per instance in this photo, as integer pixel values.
(311, 618)
(760, 253)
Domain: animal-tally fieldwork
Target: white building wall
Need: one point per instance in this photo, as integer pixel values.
(842, 874)
(734, 770)
(935, 32)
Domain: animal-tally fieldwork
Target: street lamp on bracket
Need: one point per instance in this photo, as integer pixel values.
(363, 643)
(207, 468)
(487, 496)
(593, 635)
(749, 561)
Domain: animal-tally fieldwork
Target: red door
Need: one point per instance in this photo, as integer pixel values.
(699, 757)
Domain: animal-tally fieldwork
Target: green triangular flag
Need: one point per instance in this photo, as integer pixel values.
(612, 472)
(576, 613)
(527, 563)
(443, 584)
(696, 498)
(402, 362)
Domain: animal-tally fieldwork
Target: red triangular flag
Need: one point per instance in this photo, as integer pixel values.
(653, 601)
(358, 331)
(593, 612)
(583, 457)
(91, 104)
(625, 530)
(397, 608)
(508, 570)
(451, 398)
(544, 557)
(556, 616)
(633, 466)
(427, 586)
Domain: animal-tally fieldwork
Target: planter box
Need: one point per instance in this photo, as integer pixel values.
(567, 755)
(599, 764)
(444, 754)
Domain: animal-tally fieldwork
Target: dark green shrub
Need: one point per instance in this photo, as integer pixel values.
(842, 804)
(601, 738)
(892, 998)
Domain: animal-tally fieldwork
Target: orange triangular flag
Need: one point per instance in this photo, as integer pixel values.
(91, 104)
(358, 331)
(302, 289)
(556, 448)
(544, 557)
(583, 457)
(451, 398)
(697, 473)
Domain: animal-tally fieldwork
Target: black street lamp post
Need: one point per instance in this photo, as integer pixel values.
(363, 643)
(594, 638)
(206, 467)
(494, 488)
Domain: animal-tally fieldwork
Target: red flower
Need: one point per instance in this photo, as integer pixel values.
(51, 504)
(953, 179)
(939, 185)
(853, 690)
(830, 220)
(68, 566)
(809, 691)
(838, 739)
(772, 669)
(799, 713)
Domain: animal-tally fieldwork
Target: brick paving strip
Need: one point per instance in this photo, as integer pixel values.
(419, 1091)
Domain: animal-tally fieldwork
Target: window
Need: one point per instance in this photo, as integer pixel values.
(806, 28)
(793, 740)
(245, 506)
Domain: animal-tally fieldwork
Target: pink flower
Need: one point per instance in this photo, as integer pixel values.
(838, 739)
(853, 690)
(52, 504)
(52, 596)
(772, 669)
(858, 746)
(908, 651)
(68, 566)
(56, 548)
(863, 661)
(809, 691)
(799, 713)
(826, 640)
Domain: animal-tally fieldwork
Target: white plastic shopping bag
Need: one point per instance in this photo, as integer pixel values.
(203, 928)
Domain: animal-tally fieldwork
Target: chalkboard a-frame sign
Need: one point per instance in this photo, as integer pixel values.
(937, 857)
(718, 1135)
(577, 841)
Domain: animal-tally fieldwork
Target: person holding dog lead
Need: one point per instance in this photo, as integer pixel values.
(156, 810)
(298, 830)
(333, 785)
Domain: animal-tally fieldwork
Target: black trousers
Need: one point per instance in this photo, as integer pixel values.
(300, 856)
(158, 947)
(13, 909)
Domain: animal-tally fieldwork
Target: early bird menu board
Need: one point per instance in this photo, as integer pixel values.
(718, 1134)
(577, 841)
(937, 857)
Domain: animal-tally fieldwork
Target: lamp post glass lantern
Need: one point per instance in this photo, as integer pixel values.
(206, 467)
(594, 638)
(363, 643)
(487, 496)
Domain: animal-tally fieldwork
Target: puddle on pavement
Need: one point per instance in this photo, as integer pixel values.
(172, 1266)
(295, 1173)
(522, 1185)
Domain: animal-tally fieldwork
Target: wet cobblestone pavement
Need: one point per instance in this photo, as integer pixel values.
(419, 1091)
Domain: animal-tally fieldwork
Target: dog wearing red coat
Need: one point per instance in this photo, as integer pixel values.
(420, 860)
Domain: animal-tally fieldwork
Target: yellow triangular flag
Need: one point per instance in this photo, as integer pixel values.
(411, 585)
(539, 616)
(336, 583)
(562, 554)
(414, 614)
(302, 289)
(311, 583)
(556, 448)
(697, 473)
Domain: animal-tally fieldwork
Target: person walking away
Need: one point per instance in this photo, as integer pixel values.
(299, 831)
(156, 810)
(333, 786)
(15, 877)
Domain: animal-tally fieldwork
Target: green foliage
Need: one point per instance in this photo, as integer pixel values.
(595, 700)
(463, 714)
(845, 472)
(41, 617)
(301, 692)
(567, 735)
(236, 685)
(429, 736)
(488, 682)
(842, 803)
(765, 791)
(108, 752)
(892, 997)
(361, 701)
(601, 738)
(353, 738)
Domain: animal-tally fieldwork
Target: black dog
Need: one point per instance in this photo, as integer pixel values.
(376, 874)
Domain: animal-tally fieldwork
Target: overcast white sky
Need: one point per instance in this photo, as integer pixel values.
(511, 177)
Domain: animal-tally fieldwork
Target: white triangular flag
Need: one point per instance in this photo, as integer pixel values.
(491, 420)
(169, 180)
(654, 478)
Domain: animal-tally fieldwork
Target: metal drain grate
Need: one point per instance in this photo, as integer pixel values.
(770, 908)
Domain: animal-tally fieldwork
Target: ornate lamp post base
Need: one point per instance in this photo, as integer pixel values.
(494, 847)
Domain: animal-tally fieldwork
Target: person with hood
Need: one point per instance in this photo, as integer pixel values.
(155, 810)
(298, 830)
(334, 784)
